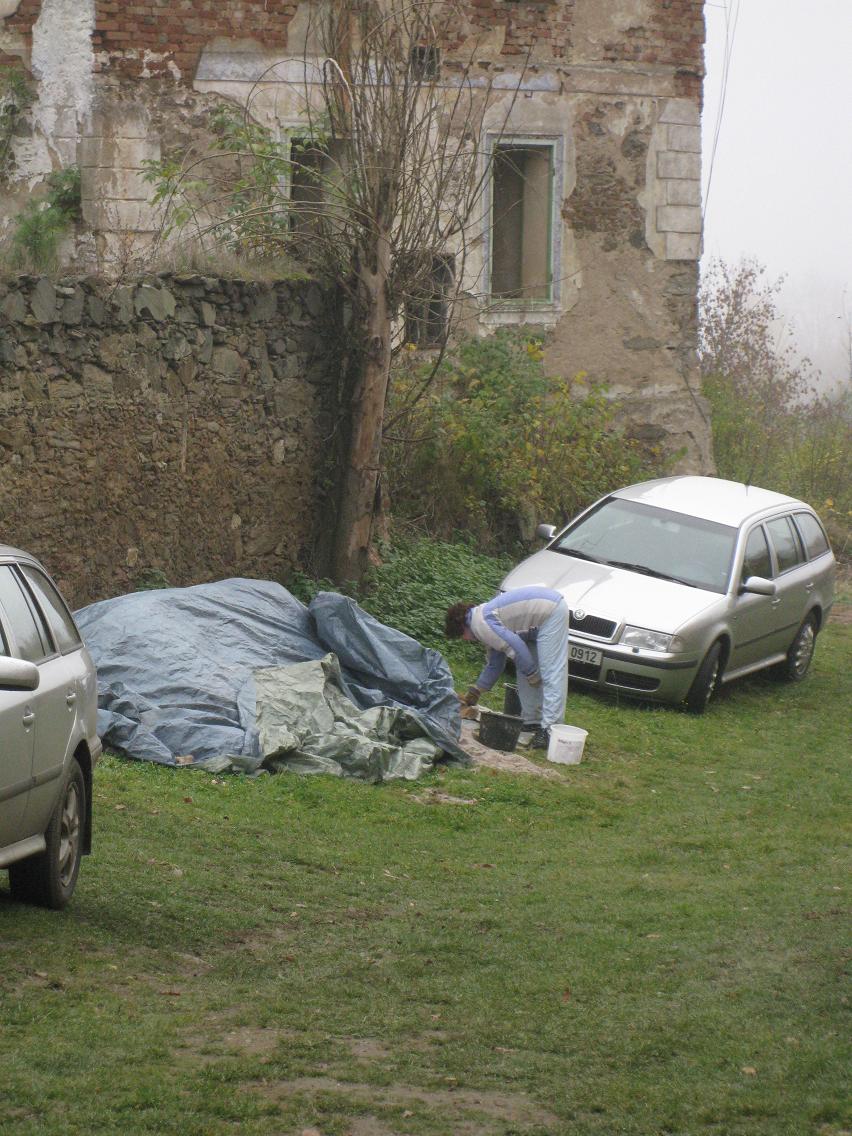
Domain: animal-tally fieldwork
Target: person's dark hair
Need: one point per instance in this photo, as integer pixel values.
(455, 621)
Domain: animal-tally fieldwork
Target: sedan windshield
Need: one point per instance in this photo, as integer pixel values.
(653, 542)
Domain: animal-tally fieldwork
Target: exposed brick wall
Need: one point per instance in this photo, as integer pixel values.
(180, 29)
(20, 24)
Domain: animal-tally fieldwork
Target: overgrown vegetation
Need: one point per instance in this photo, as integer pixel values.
(496, 445)
(770, 426)
(44, 222)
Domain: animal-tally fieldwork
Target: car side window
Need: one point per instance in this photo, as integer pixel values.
(27, 626)
(785, 541)
(756, 560)
(53, 606)
(816, 542)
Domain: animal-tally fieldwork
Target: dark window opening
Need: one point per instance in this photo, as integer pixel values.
(427, 314)
(425, 61)
(315, 171)
(521, 222)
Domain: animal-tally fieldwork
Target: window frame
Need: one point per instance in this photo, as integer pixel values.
(799, 529)
(797, 540)
(76, 646)
(556, 144)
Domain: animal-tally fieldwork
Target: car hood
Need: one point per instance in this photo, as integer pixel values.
(614, 593)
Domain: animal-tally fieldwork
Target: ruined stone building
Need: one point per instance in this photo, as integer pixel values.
(591, 229)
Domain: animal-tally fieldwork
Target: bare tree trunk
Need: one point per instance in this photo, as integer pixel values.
(360, 506)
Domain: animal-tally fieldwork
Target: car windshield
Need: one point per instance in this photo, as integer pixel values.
(653, 542)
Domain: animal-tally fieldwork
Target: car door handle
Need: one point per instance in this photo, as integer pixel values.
(28, 719)
(810, 587)
(70, 699)
(776, 601)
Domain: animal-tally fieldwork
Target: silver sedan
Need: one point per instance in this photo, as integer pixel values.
(48, 712)
(679, 584)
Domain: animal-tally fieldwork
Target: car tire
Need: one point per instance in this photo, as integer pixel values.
(49, 877)
(705, 682)
(799, 657)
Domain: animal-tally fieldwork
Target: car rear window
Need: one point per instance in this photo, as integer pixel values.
(52, 605)
(816, 542)
(27, 626)
(785, 541)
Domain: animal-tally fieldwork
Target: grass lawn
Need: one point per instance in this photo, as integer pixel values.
(652, 944)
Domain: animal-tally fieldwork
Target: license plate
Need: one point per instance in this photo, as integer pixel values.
(585, 655)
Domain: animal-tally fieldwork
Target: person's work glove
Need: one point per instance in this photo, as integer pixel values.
(470, 697)
(534, 679)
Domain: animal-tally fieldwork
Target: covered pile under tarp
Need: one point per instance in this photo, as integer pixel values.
(239, 674)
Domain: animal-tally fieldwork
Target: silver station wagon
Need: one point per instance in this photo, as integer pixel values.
(48, 739)
(680, 584)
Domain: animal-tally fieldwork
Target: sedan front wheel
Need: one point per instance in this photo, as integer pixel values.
(705, 682)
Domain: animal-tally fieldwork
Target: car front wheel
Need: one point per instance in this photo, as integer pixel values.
(49, 878)
(798, 661)
(705, 682)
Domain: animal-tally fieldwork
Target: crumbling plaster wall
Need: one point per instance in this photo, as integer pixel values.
(618, 83)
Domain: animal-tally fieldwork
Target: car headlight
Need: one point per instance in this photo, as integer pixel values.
(647, 640)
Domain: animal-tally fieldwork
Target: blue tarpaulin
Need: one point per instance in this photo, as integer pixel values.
(176, 682)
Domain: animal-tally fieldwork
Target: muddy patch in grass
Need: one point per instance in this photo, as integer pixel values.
(464, 1112)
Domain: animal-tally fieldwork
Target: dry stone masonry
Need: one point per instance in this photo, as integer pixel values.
(173, 425)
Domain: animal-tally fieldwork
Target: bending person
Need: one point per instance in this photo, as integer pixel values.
(529, 625)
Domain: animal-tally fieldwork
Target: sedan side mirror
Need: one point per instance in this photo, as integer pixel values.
(758, 586)
(546, 532)
(16, 674)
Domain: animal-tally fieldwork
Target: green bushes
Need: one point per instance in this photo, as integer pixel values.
(495, 445)
(44, 222)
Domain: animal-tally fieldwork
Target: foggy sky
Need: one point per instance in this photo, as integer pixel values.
(781, 188)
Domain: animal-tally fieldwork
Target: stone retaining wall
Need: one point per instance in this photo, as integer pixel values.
(174, 424)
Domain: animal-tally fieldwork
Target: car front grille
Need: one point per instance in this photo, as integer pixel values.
(583, 670)
(593, 625)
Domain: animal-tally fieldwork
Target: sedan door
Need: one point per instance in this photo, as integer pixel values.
(795, 580)
(17, 722)
(754, 621)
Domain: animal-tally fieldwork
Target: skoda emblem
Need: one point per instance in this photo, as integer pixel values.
(579, 613)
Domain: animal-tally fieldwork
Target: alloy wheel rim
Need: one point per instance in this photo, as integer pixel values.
(804, 649)
(69, 834)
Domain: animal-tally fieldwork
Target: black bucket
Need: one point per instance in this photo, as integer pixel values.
(511, 699)
(499, 731)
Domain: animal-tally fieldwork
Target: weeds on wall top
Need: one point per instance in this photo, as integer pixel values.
(43, 222)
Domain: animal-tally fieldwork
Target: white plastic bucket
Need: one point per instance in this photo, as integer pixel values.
(566, 744)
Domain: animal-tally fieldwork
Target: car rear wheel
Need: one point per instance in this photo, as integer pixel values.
(798, 661)
(49, 878)
(704, 685)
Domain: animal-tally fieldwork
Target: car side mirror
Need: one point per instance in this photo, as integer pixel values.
(16, 674)
(758, 586)
(546, 532)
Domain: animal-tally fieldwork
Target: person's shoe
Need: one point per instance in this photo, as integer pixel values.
(527, 733)
(541, 738)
